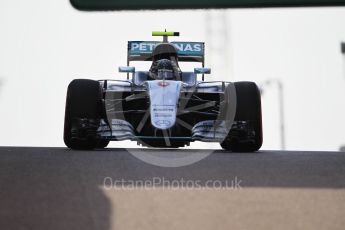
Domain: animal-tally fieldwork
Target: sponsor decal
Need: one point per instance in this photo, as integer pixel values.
(163, 110)
(163, 115)
(163, 83)
(142, 47)
(188, 47)
(183, 48)
(163, 123)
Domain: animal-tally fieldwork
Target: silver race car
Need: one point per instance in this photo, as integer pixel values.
(163, 107)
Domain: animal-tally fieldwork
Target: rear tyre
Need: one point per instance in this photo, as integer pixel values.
(83, 102)
(248, 108)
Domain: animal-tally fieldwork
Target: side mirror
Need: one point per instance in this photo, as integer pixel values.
(126, 69)
(202, 70)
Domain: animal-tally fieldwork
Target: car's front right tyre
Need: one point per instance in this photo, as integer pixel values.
(82, 114)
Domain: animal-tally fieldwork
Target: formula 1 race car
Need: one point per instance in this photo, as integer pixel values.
(164, 106)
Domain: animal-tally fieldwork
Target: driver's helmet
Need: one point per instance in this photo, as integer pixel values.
(165, 69)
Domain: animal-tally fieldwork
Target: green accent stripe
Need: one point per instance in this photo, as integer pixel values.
(162, 33)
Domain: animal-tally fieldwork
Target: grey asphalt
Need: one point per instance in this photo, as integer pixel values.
(57, 188)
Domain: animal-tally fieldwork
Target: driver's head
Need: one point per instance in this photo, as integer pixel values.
(165, 69)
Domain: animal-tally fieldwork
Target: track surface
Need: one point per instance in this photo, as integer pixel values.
(57, 188)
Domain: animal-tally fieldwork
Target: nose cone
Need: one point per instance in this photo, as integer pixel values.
(164, 96)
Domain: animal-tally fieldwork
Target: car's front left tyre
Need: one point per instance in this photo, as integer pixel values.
(246, 134)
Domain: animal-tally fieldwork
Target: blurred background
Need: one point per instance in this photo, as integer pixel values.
(294, 55)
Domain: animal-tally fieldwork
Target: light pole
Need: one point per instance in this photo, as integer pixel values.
(281, 107)
(342, 50)
(219, 41)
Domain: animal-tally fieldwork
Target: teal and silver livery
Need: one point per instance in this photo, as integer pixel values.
(163, 105)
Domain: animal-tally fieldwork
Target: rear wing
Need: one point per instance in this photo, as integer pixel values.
(186, 51)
